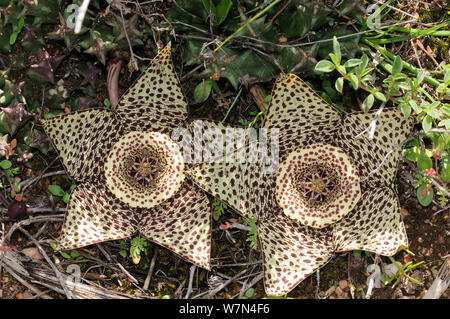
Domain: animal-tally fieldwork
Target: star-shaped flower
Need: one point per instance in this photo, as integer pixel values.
(330, 192)
(131, 172)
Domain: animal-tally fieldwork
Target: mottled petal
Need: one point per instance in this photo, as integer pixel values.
(83, 140)
(165, 181)
(291, 252)
(182, 224)
(155, 101)
(301, 115)
(95, 215)
(392, 128)
(237, 179)
(374, 225)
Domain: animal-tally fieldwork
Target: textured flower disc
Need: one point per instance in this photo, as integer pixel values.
(144, 169)
(312, 185)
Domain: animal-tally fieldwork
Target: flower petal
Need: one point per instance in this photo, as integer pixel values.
(95, 215)
(182, 224)
(291, 252)
(155, 101)
(374, 225)
(124, 186)
(391, 129)
(83, 140)
(301, 115)
(237, 180)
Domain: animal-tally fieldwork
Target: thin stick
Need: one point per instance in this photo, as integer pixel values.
(150, 270)
(25, 222)
(117, 263)
(26, 183)
(43, 253)
(191, 280)
(226, 283)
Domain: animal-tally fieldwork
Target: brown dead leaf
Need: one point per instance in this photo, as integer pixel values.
(404, 212)
(33, 253)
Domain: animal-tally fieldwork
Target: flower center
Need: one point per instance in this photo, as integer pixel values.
(317, 184)
(144, 169)
(312, 185)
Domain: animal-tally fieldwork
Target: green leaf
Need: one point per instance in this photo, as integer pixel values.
(414, 105)
(445, 171)
(352, 63)
(250, 293)
(339, 84)
(368, 102)
(354, 81)
(380, 96)
(65, 255)
(5, 164)
(123, 253)
(66, 197)
(56, 190)
(406, 109)
(202, 91)
(222, 10)
(424, 162)
(324, 66)
(337, 50)
(424, 195)
(447, 77)
(397, 66)
(427, 123)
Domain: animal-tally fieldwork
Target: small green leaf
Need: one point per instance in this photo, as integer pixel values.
(427, 123)
(414, 105)
(380, 96)
(5, 164)
(66, 197)
(368, 102)
(397, 66)
(424, 162)
(56, 190)
(250, 293)
(406, 109)
(324, 66)
(424, 195)
(337, 50)
(123, 253)
(202, 91)
(222, 10)
(339, 85)
(354, 81)
(65, 255)
(352, 63)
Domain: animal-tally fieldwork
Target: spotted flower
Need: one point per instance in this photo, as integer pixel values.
(331, 191)
(131, 173)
